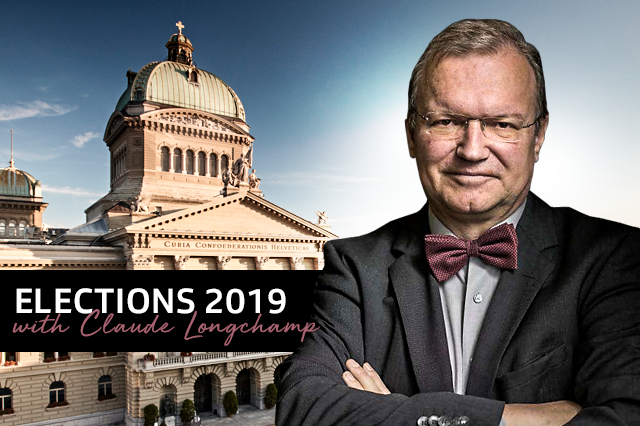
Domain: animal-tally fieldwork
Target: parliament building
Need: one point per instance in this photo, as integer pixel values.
(183, 196)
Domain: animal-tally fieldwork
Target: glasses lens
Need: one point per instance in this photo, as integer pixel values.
(502, 129)
(445, 125)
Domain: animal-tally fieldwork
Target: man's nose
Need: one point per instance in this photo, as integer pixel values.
(472, 144)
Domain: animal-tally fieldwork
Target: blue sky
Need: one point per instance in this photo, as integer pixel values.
(324, 88)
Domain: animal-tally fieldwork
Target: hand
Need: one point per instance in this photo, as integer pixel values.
(554, 413)
(363, 378)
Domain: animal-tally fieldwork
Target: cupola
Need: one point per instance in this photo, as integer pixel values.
(179, 47)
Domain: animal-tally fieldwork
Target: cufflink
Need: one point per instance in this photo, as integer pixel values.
(434, 420)
(444, 421)
(428, 421)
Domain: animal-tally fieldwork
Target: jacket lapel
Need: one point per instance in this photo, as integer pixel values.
(420, 308)
(513, 295)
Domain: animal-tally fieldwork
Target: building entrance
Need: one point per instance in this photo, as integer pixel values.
(203, 393)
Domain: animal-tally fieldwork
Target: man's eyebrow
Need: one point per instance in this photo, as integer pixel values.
(509, 115)
(504, 115)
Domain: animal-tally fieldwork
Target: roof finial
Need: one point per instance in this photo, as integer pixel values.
(180, 27)
(11, 161)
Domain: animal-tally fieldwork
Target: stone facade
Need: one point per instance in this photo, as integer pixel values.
(203, 377)
(181, 198)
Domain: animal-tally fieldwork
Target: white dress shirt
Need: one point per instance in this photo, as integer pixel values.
(465, 298)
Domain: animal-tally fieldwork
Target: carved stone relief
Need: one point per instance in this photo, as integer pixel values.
(196, 121)
(179, 262)
(114, 125)
(139, 261)
(222, 261)
(260, 262)
(296, 262)
(130, 240)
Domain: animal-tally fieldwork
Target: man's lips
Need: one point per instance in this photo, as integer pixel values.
(470, 178)
(470, 174)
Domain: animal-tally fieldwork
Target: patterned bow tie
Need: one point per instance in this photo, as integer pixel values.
(447, 254)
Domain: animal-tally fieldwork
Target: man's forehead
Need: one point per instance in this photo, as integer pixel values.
(503, 79)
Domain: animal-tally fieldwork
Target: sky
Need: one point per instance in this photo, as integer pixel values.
(324, 87)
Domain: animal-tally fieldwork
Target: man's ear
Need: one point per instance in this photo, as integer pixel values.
(539, 138)
(410, 142)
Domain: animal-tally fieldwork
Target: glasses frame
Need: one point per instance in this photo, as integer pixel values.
(482, 124)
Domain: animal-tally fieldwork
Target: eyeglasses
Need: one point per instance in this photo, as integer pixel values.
(445, 125)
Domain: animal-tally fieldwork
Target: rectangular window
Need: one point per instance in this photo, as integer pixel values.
(56, 395)
(5, 399)
(104, 389)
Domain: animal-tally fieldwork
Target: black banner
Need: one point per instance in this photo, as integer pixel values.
(214, 311)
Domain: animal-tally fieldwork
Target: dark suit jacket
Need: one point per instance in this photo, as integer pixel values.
(564, 325)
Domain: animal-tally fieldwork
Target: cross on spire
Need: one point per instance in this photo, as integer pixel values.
(180, 27)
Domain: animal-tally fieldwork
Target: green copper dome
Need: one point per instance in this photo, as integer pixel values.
(16, 183)
(171, 83)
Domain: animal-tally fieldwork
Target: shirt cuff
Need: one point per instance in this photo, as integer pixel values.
(502, 423)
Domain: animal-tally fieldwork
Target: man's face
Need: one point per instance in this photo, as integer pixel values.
(472, 177)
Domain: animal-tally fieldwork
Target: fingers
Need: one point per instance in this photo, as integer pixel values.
(351, 381)
(364, 378)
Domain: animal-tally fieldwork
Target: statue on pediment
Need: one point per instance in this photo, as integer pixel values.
(323, 218)
(139, 206)
(242, 165)
(254, 181)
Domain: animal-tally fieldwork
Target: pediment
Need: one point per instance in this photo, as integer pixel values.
(243, 215)
(115, 121)
(196, 120)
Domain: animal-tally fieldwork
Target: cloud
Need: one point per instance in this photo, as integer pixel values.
(79, 192)
(80, 140)
(33, 109)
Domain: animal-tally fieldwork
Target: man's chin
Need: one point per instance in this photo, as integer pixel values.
(459, 205)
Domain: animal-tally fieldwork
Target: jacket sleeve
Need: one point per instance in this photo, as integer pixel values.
(312, 391)
(607, 381)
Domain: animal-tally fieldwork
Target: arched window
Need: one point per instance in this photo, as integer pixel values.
(5, 399)
(104, 386)
(3, 228)
(202, 163)
(189, 162)
(56, 392)
(177, 160)
(164, 158)
(12, 229)
(224, 164)
(213, 165)
(21, 227)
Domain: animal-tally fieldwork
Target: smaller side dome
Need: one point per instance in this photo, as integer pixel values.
(18, 183)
